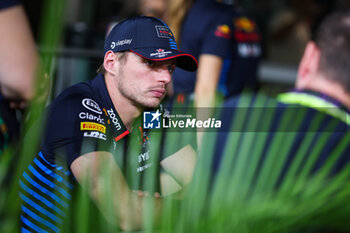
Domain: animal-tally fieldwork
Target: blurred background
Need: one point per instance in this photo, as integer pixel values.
(285, 27)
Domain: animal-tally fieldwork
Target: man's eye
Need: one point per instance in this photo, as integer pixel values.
(149, 63)
(171, 69)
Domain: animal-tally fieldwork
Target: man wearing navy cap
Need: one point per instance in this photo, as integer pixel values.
(92, 127)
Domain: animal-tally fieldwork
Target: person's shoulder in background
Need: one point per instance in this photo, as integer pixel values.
(8, 3)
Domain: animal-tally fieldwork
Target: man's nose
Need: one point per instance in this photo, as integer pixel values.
(164, 75)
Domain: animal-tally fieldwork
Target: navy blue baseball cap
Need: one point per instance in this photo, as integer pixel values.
(149, 38)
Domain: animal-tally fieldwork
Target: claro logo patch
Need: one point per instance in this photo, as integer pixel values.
(92, 126)
(91, 105)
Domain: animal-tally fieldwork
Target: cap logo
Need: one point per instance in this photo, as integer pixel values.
(160, 53)
(120, 42)
(163, 32)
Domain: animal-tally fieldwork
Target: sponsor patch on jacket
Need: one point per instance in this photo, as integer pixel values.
(95, 134)
(91, 105)
(92, 127)
(246, 31)
(223, 31)
(245, 24)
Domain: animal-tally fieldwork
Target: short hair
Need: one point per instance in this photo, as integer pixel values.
(121, 56)
(333, 40)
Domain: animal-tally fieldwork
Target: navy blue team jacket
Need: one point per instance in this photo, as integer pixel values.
(8, 3)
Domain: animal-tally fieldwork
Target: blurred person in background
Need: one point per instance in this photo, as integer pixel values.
(225, 39)
(18, 66)
(203, 27)
(226, 43)
(240, 71)
(94, 134)
(318, 110)
(291, 28)
(153, 8)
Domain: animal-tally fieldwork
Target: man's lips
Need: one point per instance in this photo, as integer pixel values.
(158, 92)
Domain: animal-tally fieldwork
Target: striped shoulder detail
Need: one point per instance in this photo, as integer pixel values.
(45, 191)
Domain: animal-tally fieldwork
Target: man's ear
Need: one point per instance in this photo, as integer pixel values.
(308, 65)
(109, 62)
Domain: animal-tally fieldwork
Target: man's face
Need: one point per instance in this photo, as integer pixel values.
(142, 81)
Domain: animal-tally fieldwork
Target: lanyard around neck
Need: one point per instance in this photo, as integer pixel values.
(315, 102)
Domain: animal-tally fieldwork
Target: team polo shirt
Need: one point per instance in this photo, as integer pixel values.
(242, 66)
(300, 128)
(206, 30)
(8, 3)
(81, 120)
